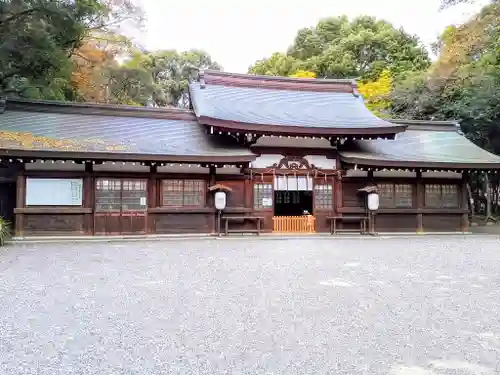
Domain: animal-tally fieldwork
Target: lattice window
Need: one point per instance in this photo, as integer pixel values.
(449, 196)
(108, 195)
(177, 193)
(395, 195)
(116, 195)
(323, 196)
(403, 195)
(386, 195)
(263, 195)
(441, 196)
(134, 195)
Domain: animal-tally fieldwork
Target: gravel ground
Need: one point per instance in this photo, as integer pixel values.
(398, 306)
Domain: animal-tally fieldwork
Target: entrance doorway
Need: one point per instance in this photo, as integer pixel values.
(8, 202)
(293, 205)
(121, 206)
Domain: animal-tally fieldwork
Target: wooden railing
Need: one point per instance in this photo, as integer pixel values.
(294, 224)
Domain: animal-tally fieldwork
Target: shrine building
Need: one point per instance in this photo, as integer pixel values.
(292, 155)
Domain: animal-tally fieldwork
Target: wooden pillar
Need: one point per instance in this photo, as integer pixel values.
(20, 201)
(89, 198)
(420, 202)
(371, 215)
(338, 193)
(464, 203)
(212, 177)
(248, 188)
(152, 198)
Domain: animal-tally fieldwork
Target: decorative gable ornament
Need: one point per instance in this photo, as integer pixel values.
(294, 163)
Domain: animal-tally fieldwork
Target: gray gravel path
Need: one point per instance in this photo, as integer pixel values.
(414, 306)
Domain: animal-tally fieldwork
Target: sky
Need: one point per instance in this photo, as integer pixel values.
(237, 33)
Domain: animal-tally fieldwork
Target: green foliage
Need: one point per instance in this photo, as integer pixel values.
(376, 93)
(69, 50)
(38, 37)
(161, 77)
(5, 231)
(278, 64)
(339, 48)
(131, 86)
(303, 74)
(463, 84)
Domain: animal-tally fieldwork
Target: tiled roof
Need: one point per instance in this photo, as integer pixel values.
(424, 144)
(336, 111)
(43, 130)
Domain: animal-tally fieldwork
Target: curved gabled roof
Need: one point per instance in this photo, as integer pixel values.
(432, 144)
(280, 105)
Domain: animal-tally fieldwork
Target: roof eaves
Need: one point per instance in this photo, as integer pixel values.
(381, 162)
(130, 157)
(271, 129)
(428, 125)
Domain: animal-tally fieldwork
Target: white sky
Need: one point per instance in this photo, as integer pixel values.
(237, 33)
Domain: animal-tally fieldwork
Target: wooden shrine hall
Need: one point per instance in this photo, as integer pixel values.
(293, 155)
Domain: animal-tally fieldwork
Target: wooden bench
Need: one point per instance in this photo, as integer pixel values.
(256, 219)
(362, 220)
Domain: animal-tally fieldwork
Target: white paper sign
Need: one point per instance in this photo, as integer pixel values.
(143, 201)
(54, 191)
(267, 202)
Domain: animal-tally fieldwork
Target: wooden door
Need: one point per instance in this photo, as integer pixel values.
(120, 206)
(324, 202)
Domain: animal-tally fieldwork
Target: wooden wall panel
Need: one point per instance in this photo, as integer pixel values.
(322, 225)
(174, 223)
(107, 224)
(236, 198)
(52, 225)
(441, 223)
(396, 223)
(133, 224)
(350, 195)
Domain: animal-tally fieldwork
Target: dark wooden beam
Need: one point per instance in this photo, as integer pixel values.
(154, 191)
(212, 176)
(420, 201)
(89, 198)
(20, 201)
(464, 202)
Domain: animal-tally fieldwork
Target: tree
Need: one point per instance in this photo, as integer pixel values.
(450, 3)
(128, 85)
(463, 83)
(303, 74)
(38, 37)
(339, 48)
(93, 63)
(278, 64)
(376, 93)
(170, 73)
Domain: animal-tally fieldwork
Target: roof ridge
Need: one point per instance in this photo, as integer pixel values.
(213, 77)
(317, 81)
(85, 108)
